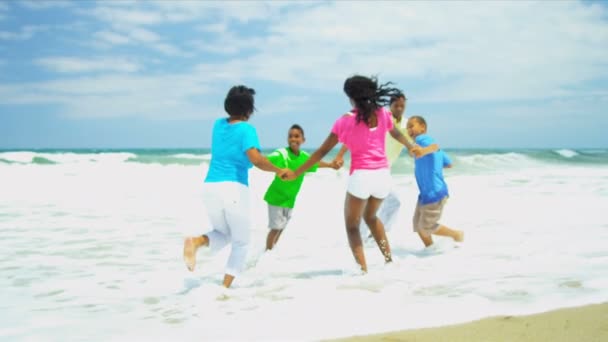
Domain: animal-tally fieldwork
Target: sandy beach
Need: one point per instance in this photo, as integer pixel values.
(586, 323)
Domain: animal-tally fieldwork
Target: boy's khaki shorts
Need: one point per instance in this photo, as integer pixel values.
(426, 217)
(278, 217)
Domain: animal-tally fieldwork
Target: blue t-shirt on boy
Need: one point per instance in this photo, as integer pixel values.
(429, 173)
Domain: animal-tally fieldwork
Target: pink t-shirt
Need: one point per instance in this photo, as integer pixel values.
(366, 145)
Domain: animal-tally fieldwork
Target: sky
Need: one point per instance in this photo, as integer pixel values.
(154, 74)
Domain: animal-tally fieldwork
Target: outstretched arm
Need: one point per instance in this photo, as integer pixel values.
(411, 146)
(334, 165)
(405, 141)
(339, 159)
(261, 162)
(447, 162)
(342, 152)
(430, 149)
(327, 145)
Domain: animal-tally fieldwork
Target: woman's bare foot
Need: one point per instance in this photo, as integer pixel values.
(459, 236)
(190, 248)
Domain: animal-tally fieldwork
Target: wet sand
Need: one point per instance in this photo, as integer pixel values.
(586, 323)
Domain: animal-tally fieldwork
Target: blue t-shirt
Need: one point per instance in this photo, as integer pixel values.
(429, 173)
(229, 145)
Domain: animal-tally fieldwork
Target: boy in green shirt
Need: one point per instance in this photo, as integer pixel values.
(281, 195)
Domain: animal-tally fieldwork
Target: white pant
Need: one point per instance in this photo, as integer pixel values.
(386, 213)
(228, 208)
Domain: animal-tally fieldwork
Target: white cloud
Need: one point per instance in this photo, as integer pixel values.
(131, 24)
(227, 43)
(137, 36)
(241, 11)
(112, 38)
(214, 28)
(449, 51)
(169, 49)
(288, 104)
(128, 19)
(25, 33)
(143, 35)
(44, 4)
(79, 65)
(3, 9)
(121, 16)
(162, 97)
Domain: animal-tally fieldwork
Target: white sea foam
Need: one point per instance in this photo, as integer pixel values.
(566, 153)
(27, 157)
(97, 245)
(206, 156)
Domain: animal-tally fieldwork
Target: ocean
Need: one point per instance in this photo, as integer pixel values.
(91, 244)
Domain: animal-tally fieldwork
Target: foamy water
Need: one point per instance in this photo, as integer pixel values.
(91, 250)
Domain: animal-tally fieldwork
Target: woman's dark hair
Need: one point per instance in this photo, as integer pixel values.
(367, 95)
(239, 101)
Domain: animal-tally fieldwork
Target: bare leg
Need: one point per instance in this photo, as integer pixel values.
(228, 280)
(353, 208)
(426, 238)
(191, 245)
(376, 227)
(457, 235)
(272, 238)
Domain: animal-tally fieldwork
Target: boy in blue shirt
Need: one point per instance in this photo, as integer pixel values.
(432, 187)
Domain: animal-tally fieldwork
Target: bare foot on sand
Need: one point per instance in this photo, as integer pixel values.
(459, 236)
(190, 253)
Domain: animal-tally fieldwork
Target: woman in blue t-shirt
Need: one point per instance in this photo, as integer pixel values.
(234, 149)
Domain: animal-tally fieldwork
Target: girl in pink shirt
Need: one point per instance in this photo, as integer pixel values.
(363, 131)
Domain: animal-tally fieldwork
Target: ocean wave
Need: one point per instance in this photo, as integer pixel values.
(566, 153)
(468, 161)
(53, 158)
(493, 159)
(206, 156)
(49, 158)
(167, 160)
(42, 161)
(18, 157)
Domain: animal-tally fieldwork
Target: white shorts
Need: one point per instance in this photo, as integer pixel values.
(364, 184)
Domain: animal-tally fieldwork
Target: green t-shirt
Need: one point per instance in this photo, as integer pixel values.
(283, 193)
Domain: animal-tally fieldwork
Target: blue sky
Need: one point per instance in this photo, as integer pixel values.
(114, 74)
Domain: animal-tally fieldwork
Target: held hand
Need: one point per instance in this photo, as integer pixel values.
(287, 175)
(416, 151)
(282, 172)
(337, 163)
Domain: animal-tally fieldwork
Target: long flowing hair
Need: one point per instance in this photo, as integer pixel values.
(368, 96)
